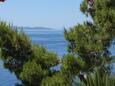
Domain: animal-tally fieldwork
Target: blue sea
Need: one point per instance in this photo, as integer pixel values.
(53, 40)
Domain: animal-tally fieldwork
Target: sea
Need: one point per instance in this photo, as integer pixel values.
(52, 39)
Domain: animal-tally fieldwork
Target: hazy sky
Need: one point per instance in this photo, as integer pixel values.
(47, 13)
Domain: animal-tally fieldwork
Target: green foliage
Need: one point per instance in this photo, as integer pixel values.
(33, 74)
(91, 41)
(83, 6)
(99, 79)
(71, 65)
(30, 63)
(88, 47)
(15, 48)
(56, 80)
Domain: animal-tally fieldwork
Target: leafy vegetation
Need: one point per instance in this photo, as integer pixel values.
(90, 42)
(30, 63)
(98, 78)
(88, 48)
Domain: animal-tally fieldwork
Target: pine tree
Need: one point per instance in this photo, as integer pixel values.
(29, 62)
(88, 48)
(91, 41)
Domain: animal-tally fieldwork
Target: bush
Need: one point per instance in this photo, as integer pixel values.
(99, 79)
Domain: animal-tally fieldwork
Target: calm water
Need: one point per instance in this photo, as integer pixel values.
(53, 40)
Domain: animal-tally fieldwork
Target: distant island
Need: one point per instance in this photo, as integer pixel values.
(39, 28)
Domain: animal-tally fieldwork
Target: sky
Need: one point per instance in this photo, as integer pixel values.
(42, 13)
